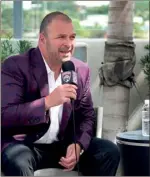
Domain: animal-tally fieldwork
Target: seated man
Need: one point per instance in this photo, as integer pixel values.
(37, 127)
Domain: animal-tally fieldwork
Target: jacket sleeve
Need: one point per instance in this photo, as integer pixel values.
(87, 115)
(15, 113)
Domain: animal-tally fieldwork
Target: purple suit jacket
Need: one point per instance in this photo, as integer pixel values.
(24, 86)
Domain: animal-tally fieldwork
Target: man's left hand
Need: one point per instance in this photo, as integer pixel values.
(69, 161)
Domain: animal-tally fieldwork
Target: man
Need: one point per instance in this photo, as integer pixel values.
(37, 126)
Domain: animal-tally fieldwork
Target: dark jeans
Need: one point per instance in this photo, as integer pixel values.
(18, 159)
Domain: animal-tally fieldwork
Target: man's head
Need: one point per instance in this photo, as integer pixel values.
(57, 37)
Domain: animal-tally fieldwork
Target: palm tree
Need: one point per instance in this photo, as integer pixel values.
(116, 71)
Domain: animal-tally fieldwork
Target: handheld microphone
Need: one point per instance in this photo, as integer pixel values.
(69, 76)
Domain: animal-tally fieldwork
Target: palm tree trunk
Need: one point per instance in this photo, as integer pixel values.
(116, 72)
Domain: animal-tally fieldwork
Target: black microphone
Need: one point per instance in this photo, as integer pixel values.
(69, 76)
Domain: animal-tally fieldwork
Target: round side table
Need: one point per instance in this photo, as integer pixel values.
(135, 153)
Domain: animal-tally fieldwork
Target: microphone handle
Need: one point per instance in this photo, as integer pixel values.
(74, 134)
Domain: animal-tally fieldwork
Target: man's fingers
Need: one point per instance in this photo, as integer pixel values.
(68, 160)
(70, 169)
(68, 166)
(71, 95)
(70, 89)
(67, 100)
(70, 86)
(69, 152)
(62, 164)
(71, 92)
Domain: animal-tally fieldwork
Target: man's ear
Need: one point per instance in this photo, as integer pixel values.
(42, 38)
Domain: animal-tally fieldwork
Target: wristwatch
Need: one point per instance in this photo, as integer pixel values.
(81, 152)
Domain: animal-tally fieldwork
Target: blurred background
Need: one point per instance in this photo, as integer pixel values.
(90, 18)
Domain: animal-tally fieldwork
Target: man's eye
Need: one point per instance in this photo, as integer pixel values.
(62, 37)
(72, 37)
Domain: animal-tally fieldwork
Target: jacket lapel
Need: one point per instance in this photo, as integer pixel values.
(40, 74)
(39, 71)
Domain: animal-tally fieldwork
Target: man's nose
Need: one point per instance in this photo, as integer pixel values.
(68, 42)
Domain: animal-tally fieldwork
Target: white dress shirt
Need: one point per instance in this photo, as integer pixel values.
(55, 112)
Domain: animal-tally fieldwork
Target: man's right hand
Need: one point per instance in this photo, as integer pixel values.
(60, 95)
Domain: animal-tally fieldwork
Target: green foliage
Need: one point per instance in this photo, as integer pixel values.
(98, 10)
(7, 14)
(23, 46)
(97, 33)
(7, 48)
(145, 63)
(33, 18)
(138, 32)
(6, 34)
(69, 6)
(80, 31)
(142, 9)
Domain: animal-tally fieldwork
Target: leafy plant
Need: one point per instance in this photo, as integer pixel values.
(23, 46)
(145, 63)
(7, 48)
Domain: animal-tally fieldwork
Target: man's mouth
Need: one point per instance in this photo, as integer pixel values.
(65, 52)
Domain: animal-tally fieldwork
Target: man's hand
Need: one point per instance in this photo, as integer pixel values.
(60, 95)
(69, 161)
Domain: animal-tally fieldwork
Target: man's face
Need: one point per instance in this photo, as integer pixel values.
(59, 41)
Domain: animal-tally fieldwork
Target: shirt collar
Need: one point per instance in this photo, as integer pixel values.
(47, 67)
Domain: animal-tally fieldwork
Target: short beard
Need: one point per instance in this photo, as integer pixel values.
(53, 58)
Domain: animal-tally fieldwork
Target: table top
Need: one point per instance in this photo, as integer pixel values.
(133, 136)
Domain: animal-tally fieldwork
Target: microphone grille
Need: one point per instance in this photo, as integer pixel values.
(68, 66)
